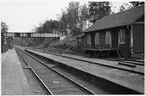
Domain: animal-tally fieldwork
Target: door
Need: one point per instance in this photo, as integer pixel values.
(114, 39)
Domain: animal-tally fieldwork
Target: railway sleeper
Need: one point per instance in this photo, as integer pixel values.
(102, 83)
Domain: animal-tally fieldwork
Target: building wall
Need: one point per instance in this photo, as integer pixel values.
(102, 40)
(114, 34)
(93, 39)
(124, 48)
(138, 38)
(85, 39)
(80, 44)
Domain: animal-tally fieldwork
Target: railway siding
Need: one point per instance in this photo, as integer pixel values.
(123, 78)
(138, 69)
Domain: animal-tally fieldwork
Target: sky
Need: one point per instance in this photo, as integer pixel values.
(23, 15)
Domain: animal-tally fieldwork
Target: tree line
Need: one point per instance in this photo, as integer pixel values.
(75, 18)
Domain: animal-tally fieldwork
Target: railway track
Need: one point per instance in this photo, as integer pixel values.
(123, 62)
(54, 82)
(99, 84)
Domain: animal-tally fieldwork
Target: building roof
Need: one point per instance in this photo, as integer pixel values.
(118, 19)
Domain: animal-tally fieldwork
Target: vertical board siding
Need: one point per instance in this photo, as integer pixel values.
(93, 39)
(102, 40)
(86, 42)
(80, 44)
(138, 38)
(125, 48)
(114, 34)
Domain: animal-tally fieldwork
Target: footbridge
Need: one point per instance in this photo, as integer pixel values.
(29, 35)
(8, 37)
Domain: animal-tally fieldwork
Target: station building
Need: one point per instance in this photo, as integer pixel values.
(123, 31)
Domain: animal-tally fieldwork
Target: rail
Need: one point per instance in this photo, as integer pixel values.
(81, 86)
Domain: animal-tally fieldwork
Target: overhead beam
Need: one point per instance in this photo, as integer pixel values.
(31, 34)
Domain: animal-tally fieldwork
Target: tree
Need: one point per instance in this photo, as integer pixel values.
(84, 16)
(70, 17)
(73, 10)
(124, 6)
(64, 22)
(137, 3)
(75, 30)
(49, 26)
(74, 18)
(97, 10)
(4, 27)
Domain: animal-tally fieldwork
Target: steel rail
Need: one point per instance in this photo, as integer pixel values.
(34, 52)
(94, 63)
(83, 87)
(48, 90)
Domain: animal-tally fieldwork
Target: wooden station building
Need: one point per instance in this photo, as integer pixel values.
(123, 31)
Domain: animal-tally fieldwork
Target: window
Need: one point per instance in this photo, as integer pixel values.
(108, 38)
(88, 39)
(121, 36)
(97, 38)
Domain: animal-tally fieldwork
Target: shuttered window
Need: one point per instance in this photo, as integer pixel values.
(88, 39)
(97, 38)
(121, 36)
(108, 38)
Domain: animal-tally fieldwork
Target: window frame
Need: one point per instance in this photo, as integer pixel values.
(121, 36)
(108, 37)
(89, 39)
(97, 38)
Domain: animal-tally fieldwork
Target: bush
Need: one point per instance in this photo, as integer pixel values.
(68, 43)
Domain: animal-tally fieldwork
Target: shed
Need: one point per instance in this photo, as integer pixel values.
(123, 31)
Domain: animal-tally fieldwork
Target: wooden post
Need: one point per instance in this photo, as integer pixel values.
(131, 39)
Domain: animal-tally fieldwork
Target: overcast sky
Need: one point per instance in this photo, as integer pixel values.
(22, 15)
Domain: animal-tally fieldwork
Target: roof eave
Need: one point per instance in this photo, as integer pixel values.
(109, 28)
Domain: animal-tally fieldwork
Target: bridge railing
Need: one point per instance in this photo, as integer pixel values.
(31, 35)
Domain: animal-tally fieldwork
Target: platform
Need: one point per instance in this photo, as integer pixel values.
(113, 64)
(13, 79)
(106, 63)
(124, 78)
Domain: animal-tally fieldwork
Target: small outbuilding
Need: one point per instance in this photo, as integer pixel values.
(123, 31)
